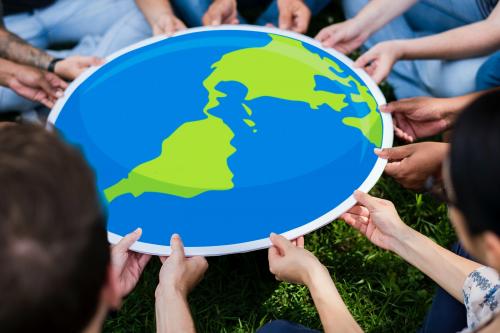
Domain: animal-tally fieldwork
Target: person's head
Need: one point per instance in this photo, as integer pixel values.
(472, 178)
(54, 255)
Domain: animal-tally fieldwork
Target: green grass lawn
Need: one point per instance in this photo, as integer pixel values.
(239, 294)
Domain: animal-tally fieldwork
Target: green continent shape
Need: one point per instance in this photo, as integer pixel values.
(266, 71)
(193, 160)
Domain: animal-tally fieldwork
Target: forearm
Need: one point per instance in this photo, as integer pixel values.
(154, 8)
(172, 313)
(443, 266)
(473, 40)
(7, 69)
(334, 315)
(17, 50)
(377, 13)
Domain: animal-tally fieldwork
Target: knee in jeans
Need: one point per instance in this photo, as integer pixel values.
(487, 76)
(353, 7)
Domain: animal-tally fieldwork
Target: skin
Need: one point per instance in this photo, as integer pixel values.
(32, 83)
(293, 14)
(178, 276)
(378, 221)
(15, 49)
(477, 39)
(411, 165)
(290, 262)
(349, 35)
(161, 17)
(123, 274)
(421, 117)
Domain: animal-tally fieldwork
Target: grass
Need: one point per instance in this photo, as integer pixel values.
(239, 294)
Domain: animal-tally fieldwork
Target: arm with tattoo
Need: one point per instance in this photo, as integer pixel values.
(17, 50)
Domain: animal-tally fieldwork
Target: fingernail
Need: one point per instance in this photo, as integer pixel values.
(378, 151)
(175, 236)
(272, 234)
(59, 94)
(138, 231)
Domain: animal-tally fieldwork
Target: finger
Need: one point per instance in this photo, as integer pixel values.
(392, 169)
(272, 255)
(402, 134)
(126, 242)
(393, 154)
(365, 59)
(359, 210)
(380, 73)
(285, 19)
(94, 61)
(56, 82)
(300, 242)
(323, 34)
(302, 18)
(47, 102)
(176, 246)
(366, 200)
(355, 221)
(45, 85)
(397, 106)
(200, 262)
(280, 242)
(143, 260)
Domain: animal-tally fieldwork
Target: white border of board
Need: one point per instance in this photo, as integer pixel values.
(329, 217)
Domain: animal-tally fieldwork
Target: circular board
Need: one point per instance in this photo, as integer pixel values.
(224, 135)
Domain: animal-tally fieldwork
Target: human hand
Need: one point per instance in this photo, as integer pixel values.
(379, 60)
(345, 37)
(411, 165)
(167, 24)
(178, 273)
(290, 262)
(73, 66)
(378, 220)
(128, 265)
(294, 15)
(421, 117)
(36, 85)
(221, 12)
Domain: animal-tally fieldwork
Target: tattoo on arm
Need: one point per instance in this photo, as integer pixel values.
(17, 50)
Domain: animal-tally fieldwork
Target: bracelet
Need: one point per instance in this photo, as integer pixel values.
(52, 65)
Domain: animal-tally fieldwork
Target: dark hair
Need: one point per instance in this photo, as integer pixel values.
(54, 253)
(475, 164)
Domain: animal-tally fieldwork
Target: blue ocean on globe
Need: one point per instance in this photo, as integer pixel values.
(285, 163)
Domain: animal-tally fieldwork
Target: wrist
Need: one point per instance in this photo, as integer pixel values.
(169, 291)
(405, 241)
(315, 274)
(51, 67)
(400, 49)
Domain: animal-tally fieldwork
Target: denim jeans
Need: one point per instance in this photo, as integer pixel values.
(97, 27)
(441, 78)
(192, 11)
(283, 326)
(488, 75)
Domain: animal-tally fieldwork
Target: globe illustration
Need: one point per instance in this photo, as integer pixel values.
(225, 135)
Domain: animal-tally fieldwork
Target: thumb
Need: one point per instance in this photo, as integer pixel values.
(394, 154)
(365, 199)
(280, 242)
(365, 59)
(126, 242)
(176, 246)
